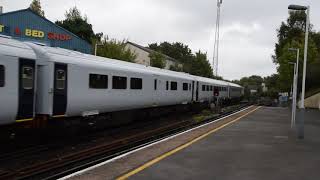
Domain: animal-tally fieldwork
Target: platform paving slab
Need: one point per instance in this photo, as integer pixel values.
(259, 146)
(125, 164)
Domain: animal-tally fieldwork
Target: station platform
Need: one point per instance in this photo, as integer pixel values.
(258, 145)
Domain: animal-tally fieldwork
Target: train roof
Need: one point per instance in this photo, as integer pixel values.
(11, 47)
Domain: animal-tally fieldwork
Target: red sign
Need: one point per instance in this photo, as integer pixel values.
(56, 36)
(17, 31)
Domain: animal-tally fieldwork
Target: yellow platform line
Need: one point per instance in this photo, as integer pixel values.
(59, 116)
(150, 163)
(23, 120)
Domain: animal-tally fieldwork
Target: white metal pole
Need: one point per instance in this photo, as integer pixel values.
(95, 49)
(296, 87)
(305, 59)
(215, 61)
(293, 95)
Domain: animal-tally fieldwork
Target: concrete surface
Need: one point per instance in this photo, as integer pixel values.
(260, 146)
(120, 166)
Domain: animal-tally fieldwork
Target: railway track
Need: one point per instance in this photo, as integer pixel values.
(72, 162)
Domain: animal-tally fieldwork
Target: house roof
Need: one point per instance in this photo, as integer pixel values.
(151, 51)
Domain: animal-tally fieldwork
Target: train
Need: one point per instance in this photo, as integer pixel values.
(42, 82)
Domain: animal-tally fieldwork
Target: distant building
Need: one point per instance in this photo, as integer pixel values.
(143, 55)
(264, 87)
(26, 25)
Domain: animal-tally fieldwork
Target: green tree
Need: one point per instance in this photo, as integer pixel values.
(115, 50)
(200, 65)
(78, 24)
(157, 59)
(195, 64)
(35, 6)
(291, 35)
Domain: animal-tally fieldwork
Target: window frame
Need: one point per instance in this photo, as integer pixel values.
(23, 78)
(185, 86)
(94, 86)
(117, 86)
(57, 79)
(173, 86)
(139, 85)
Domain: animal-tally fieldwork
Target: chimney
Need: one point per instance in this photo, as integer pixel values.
(1, 9)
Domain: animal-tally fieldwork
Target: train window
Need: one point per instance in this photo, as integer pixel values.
(27, 77)
(119, 82)
(185, 86)
(167, 85)
(207, 87)
(136, 83)
(2, 76)
(174, 86)
(155, 84)
(211, 88)
(203, 87)
(98, 81)
(60, 79)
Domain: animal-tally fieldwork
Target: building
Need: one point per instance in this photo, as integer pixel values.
(26, 25)
(264, 87)
(143, 56)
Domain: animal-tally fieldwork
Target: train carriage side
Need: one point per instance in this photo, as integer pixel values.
(95, 86)
(17, 82)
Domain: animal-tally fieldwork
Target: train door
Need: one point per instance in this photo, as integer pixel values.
(26, 89)
(60, 89)
(197, 91)
(192, 91)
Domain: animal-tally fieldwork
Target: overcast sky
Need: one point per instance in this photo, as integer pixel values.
(248, 27)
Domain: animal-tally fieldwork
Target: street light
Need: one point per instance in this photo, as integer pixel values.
(294, 94)
(96, 47)
(303, 8)
(217, 39)
(295, 87)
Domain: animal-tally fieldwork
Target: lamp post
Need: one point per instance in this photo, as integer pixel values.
(96, 47)
(302, 108)
(217, 39)
(295, 87)
(293, 113)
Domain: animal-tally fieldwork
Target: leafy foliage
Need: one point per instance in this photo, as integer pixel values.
(78, 24)
(291, 35)
(35, 6)
(115, 50)
(195, 64)
(157, 60)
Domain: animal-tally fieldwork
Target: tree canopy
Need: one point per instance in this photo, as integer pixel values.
(35, 6)
(291, 34)
(78, 24)
(115, 50)
(196, 64)
(157, 60)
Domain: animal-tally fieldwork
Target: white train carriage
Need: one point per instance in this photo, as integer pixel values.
(235, 90)
(54, 82)
(17, 81)
(86, 85)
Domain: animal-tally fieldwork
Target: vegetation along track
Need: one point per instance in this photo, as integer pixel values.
(80, 159)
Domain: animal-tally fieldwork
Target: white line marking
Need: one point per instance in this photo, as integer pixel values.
(144, 147)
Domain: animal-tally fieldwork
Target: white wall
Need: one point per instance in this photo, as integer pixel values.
(142, 56)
